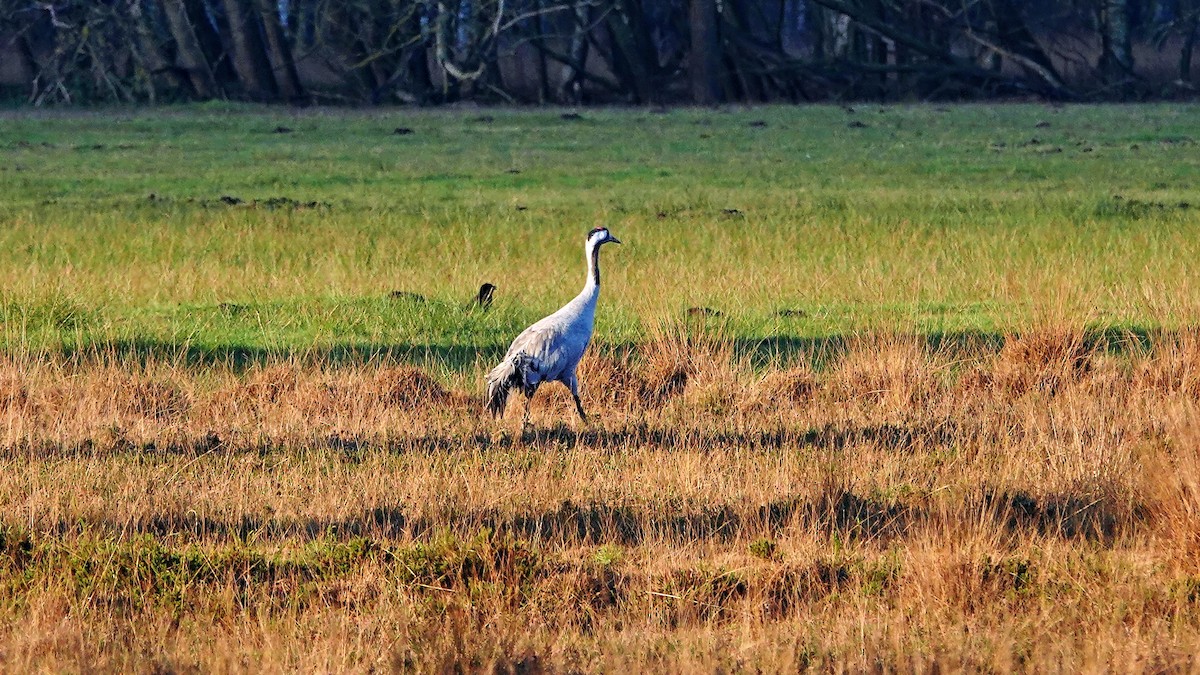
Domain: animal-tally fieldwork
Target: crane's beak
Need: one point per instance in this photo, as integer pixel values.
(612, 240)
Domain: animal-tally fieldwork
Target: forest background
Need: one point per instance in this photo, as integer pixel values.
(594, 51)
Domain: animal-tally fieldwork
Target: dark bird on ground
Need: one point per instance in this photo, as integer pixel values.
(484, 298)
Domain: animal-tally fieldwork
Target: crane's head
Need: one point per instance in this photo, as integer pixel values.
(601, 235)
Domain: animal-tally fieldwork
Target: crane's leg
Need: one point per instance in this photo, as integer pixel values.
(525, 419)
(573, 384)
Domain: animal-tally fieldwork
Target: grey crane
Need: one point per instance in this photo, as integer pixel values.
(550, 349)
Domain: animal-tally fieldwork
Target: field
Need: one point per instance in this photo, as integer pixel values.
(881, 388)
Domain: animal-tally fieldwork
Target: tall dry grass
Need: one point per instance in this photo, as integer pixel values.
(892, 503)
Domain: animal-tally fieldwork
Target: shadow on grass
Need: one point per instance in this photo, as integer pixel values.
(352, 448)
(817, 350)
(833, 509)
(836, 513)
(240, 357)
(828, 437)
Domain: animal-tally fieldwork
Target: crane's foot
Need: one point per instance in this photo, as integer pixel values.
(579, 408)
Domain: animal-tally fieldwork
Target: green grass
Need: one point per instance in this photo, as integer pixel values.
(973, 218)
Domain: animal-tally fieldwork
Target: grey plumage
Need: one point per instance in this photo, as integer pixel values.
(517, 372)
(550, 350)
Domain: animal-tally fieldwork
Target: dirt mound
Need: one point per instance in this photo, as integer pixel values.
(405, 386)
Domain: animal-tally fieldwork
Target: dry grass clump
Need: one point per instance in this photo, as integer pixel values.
(676, 360)
(791, 386)
(367, 391)
(610, 380)
(14, 396)
(268, 384)
(896, 499)
(1171, 483)
(407, 387)
(151, 395)
(889, 372)
(669, 360)
(1173, 365)
(1042, 360)
(718, 388)
(152, 398)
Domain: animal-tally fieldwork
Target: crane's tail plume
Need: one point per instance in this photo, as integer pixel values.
(518, 371)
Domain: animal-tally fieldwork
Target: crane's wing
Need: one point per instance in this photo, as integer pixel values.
(535, 341)
(547, 343)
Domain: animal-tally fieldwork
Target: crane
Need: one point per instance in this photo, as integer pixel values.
(551, 348)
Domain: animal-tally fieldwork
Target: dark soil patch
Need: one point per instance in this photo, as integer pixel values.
(406, 295)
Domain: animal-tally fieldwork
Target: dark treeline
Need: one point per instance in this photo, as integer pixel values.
(593, 51)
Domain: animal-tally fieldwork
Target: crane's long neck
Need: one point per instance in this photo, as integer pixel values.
(592, 285)
(584, 304)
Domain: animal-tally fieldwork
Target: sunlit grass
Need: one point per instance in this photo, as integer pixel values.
(789, 222)
(891, 389)
(310, 514)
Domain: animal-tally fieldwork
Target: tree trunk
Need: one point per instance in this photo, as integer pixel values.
(483, 48)
(538, 24)
(571, 88)
(1013, 35)
(416, 64)
(747, 38)
(879, 54)
(704, 59)
(190, 55)
(28, 64)
(374, 32)
(249, 57)
(1116, 59)
(1189, 44)
(816, 30)
(153, 60)
(283, 66)
(346, 36)
(451, 80)
(629, 51)
(201, 13)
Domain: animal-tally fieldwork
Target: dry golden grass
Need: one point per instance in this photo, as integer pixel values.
(896, 504)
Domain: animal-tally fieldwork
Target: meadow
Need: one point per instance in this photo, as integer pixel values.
(873, 388)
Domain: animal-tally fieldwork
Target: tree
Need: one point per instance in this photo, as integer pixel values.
(283, 65)
(704, 59)
(250, 59)
(1116, 52)
(191, 57)
(631, 51)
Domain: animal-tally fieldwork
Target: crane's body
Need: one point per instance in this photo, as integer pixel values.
(550, 349)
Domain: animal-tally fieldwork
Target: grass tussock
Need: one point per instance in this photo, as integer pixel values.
(847, 511)
(1042, 360)
(893, 373)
